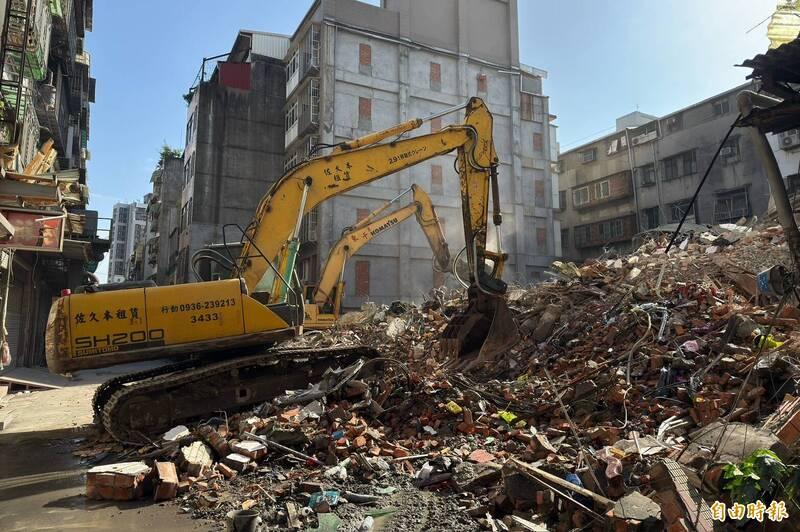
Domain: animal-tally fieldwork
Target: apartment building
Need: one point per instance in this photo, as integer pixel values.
(644, 175)
(160, 247)
(50, 241)
(354, 68)
(128, 224)
(234, 143)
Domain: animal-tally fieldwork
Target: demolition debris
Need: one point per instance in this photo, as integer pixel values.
(642, 385)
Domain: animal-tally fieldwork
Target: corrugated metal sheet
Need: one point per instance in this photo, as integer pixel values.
(269, 44)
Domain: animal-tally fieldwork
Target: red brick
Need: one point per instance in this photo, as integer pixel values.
(364, 54)
(364, 108)
(166, 481)
(482, 82)
(436, 73)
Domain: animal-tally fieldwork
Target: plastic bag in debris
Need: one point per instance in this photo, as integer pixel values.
(614, 465)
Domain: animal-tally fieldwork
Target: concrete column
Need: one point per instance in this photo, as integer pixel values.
(404, 273)
(328, 233)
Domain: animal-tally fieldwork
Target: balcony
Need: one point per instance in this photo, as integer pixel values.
(605, 232)
(302, 115)
(602, 191)
(291, 134)
(304, 61)
(84, 58)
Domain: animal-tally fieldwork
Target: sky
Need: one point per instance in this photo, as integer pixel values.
(604, 58)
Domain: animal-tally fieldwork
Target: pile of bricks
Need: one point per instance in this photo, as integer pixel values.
(624, 363)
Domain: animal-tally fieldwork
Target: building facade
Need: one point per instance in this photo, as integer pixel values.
(50, 240)
(160, 250)
(644, 175)
(128, 224)
(234, 144)
(354, 68)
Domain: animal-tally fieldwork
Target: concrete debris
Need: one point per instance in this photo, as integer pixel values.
(637, 379)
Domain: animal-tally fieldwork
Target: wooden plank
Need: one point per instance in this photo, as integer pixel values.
(33, 377)
(536, 472)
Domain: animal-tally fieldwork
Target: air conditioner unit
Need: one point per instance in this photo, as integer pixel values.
(790, 141)
(727, 151)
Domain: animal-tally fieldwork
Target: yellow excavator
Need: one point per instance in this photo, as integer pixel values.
(324, 301)
(221, 329)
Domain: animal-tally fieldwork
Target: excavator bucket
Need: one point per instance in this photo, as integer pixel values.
(487, 327)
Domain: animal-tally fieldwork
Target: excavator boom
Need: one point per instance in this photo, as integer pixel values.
(325, 306)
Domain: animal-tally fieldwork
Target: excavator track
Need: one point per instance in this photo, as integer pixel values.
(134, 407)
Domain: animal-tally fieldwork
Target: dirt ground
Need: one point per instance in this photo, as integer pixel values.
(42, 483)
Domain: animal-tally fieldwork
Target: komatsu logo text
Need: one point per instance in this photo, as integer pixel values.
(384, 226)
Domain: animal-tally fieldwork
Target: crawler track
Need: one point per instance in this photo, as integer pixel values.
(133, 407)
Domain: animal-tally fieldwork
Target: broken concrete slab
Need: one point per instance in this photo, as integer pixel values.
(194, 457)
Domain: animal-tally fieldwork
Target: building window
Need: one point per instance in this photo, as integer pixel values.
(730, 150)
(526, 106)
(364, 54)
(290, 162)
(562, 200)
(721, 107)
(141, 215)
(538, 142)
(647, 174)
(732, 205)
(308, 229)
(121, 230)
(541, 239)
(291, 115)
(589, 155)
(190, 127)
(122, 214)
(679, 208)
(538, 109)
(674, 123)
(119, 250)
(580, 196)
(293, 65)
(531, 84)
(564, 238)
(582, 235)
(436, 124)
(538, 188)
(651, 217)
(364, 113)
(482, 82)
(362, 278)
(436, 179)
(617, 145)
(365, 59)
(680, 165)
(602, 190)
(436, 76)
(611, 230)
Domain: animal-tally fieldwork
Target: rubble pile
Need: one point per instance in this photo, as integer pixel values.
(641, 386)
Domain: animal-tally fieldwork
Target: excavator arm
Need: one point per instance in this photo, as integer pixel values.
(328, 292)
(270, 246)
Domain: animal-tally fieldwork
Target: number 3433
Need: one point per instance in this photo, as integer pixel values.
(201, 318)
